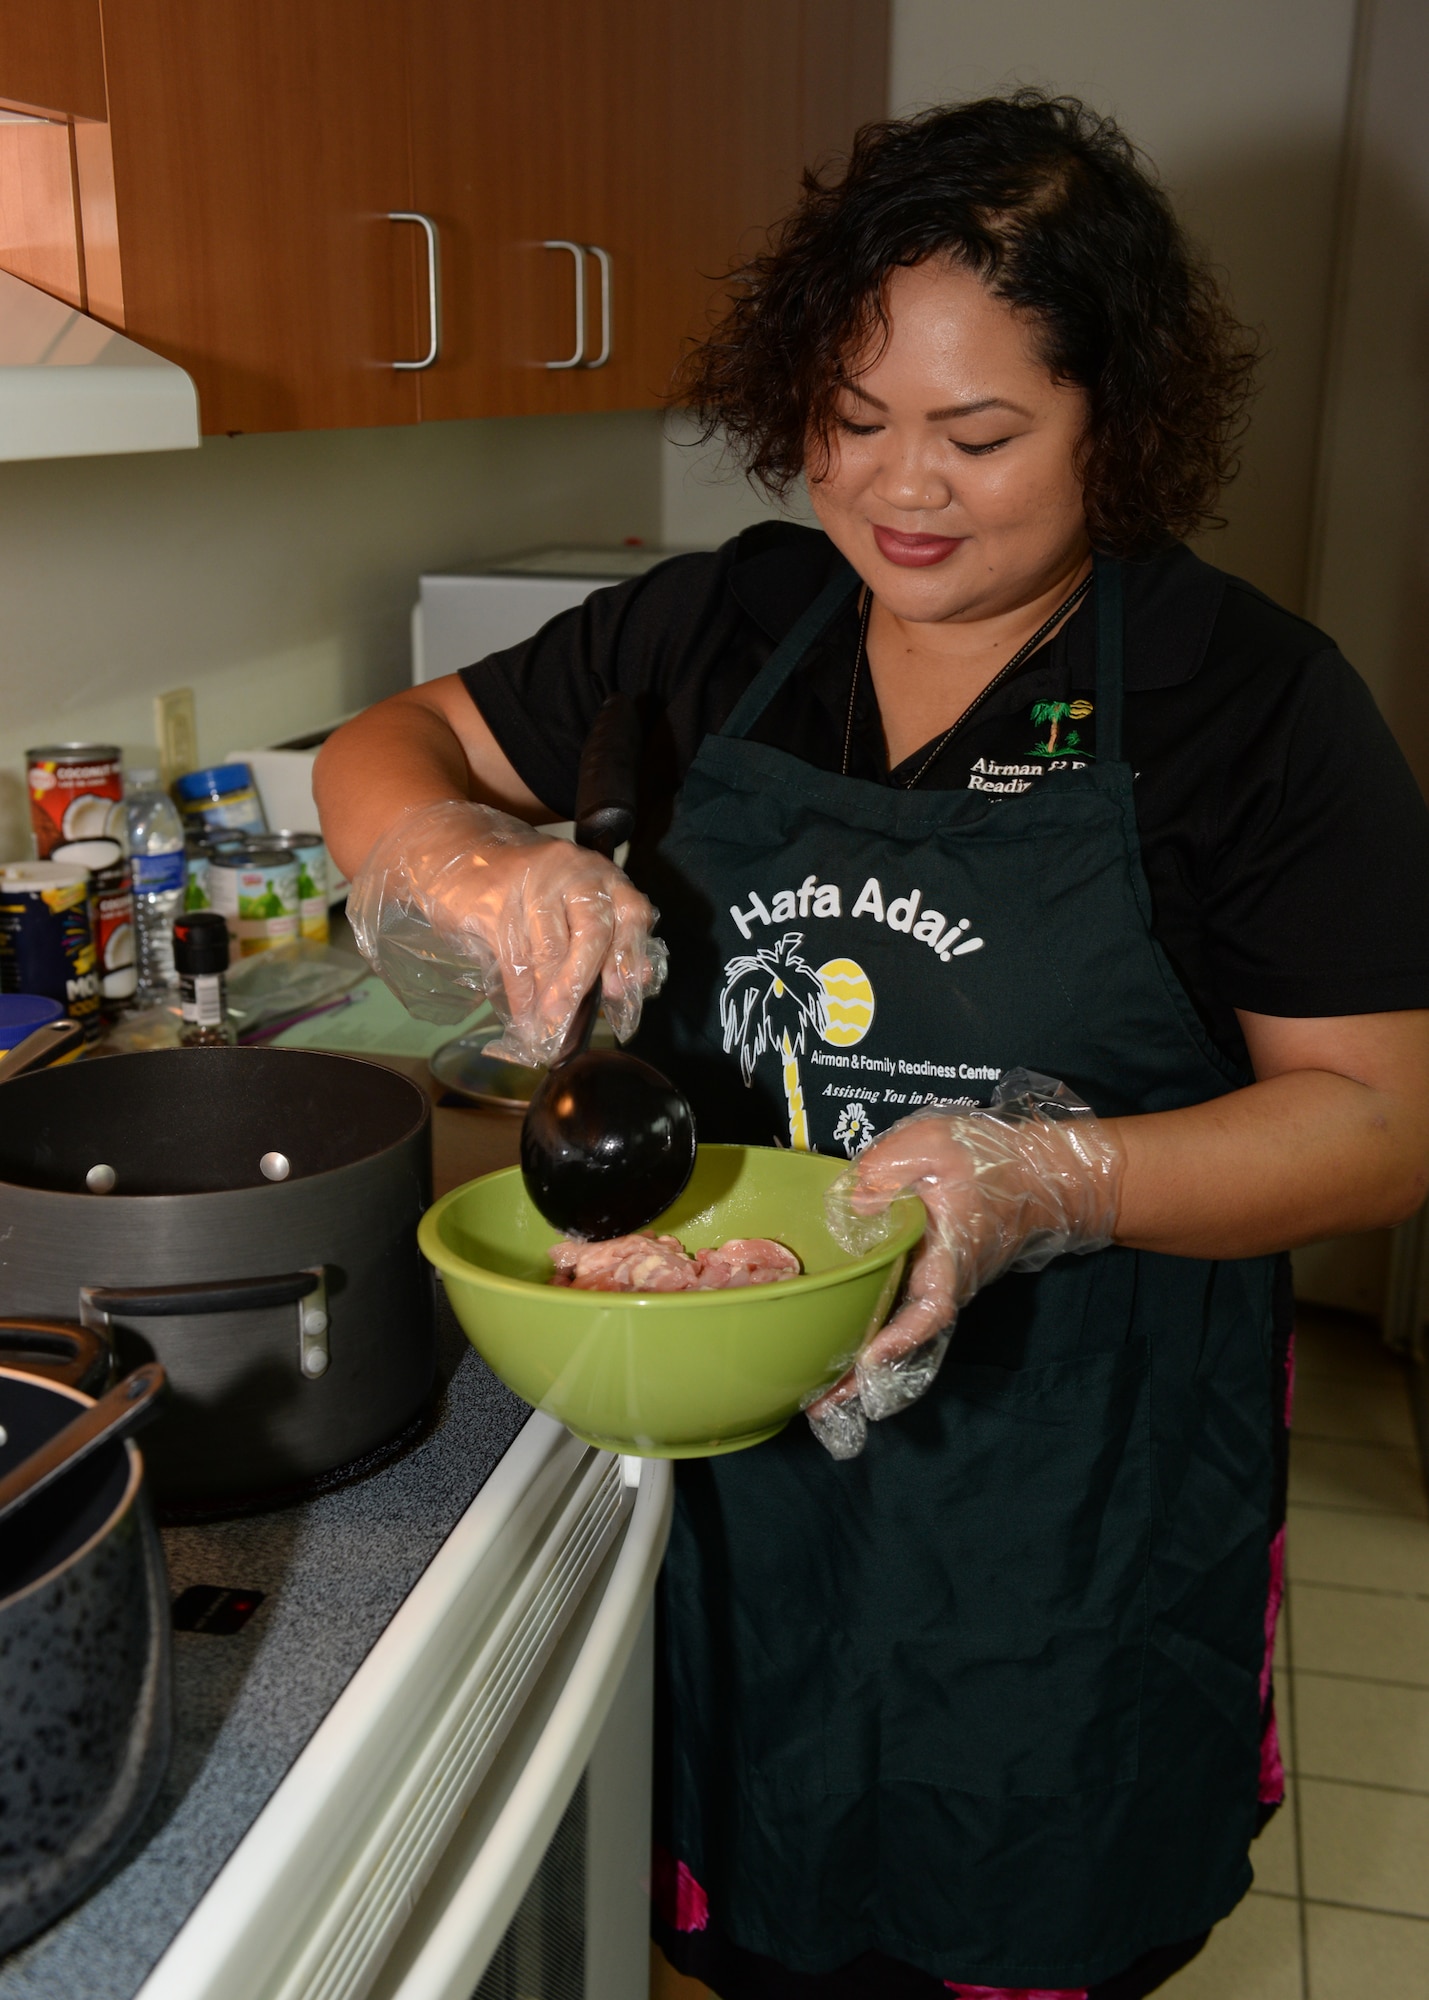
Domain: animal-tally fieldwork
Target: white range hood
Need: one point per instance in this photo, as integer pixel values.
(71, 387)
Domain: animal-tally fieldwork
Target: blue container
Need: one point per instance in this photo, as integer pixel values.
(222, 795)
(22, 1013)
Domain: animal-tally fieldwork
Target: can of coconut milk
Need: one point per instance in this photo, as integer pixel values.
(77, 819)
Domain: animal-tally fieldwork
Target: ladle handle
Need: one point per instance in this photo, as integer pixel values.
(128, 1404)
(605, 818)
(605, 784)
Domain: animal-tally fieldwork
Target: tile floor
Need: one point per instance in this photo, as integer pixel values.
(1340, 1908)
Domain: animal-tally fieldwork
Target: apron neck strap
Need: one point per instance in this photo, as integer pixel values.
(791, 649)
(785, 659)
(1109, 659)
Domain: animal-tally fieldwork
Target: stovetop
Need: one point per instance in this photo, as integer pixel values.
(251, 1686)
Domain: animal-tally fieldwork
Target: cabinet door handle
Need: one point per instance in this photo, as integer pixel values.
(577, 250)
(602, 258)
(434, 285)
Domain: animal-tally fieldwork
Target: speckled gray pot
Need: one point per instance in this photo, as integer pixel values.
(85, 1717)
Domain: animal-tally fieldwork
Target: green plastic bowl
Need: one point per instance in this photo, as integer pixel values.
(682, 1374)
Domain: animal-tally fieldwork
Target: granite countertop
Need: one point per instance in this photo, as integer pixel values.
(333, 1570)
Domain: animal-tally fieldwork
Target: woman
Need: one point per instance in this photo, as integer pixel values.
(991, 775)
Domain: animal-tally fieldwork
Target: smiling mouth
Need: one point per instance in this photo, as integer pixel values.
(915, 551)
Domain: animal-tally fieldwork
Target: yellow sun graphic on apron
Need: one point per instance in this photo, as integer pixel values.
(848, 998)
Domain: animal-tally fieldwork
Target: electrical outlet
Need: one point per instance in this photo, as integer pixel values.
(177, 732)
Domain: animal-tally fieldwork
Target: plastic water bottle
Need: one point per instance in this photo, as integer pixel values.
(156, 850)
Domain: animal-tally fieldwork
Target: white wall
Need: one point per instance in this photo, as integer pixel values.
(704, 498)
(1241, 104)
(273, 575)
(1372, 582)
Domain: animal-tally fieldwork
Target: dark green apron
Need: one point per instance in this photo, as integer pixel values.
(986, 1698)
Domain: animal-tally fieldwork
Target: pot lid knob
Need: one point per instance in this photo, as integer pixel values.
(100, 1180)
(275, 1166)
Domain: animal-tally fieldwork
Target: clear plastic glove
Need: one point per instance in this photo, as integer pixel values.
(458, 903)
(1008, 1188)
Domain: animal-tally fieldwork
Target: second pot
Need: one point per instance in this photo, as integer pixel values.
(85, 1714)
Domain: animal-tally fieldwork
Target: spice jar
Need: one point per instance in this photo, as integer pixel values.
(201, 961)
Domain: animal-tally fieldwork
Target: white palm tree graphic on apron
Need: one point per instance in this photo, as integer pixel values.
(771, 999)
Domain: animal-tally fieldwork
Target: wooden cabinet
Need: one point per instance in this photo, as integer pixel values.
(258, 146)
(53, 88)
(659, 137)
(232, 168)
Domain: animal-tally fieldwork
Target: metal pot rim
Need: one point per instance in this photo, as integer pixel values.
(421, 1122)
(121, 1506)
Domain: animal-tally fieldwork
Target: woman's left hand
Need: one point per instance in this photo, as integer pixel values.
(1009, 1187)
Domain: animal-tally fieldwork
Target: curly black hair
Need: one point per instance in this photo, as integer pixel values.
(1050, 205)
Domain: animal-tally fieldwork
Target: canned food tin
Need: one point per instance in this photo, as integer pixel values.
(220, 796)
(313, 873)
(76, 795)
(77, 817)
(256, 891)
(311, 852)
(46, 944)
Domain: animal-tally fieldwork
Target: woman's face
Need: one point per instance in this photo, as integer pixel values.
(949, 483)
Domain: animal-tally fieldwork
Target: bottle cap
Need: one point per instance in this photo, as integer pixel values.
(201, 942)
(141, 777)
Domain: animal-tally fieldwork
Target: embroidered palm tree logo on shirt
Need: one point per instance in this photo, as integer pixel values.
(1054, 715)
(771, 999)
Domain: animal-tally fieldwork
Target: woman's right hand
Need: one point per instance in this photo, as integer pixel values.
(459, 902)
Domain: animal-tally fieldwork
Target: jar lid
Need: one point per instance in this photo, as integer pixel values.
(45, 874)
(256, 851)
(214, 781)
(200, 942)
(22, 1013)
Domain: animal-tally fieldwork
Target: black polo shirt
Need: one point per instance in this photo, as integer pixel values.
(1285, 841)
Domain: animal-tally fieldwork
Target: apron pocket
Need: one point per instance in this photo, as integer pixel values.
(1008, 1620)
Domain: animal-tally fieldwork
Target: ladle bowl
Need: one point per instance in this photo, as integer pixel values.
(608, 1144)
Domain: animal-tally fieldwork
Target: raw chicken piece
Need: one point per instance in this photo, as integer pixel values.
(744, 1260)
(659, 1264)
(624, 1264)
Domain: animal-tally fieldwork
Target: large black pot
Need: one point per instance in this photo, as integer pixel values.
(85, 1721)
(294, 1316)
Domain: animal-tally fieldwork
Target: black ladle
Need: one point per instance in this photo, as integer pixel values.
(608, 1142)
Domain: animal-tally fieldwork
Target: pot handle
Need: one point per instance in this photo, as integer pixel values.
(45, 1046)
(167, 1301)
(98, 1302)
(76, 1356)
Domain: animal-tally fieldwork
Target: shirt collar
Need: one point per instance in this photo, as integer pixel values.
(1171, 599)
